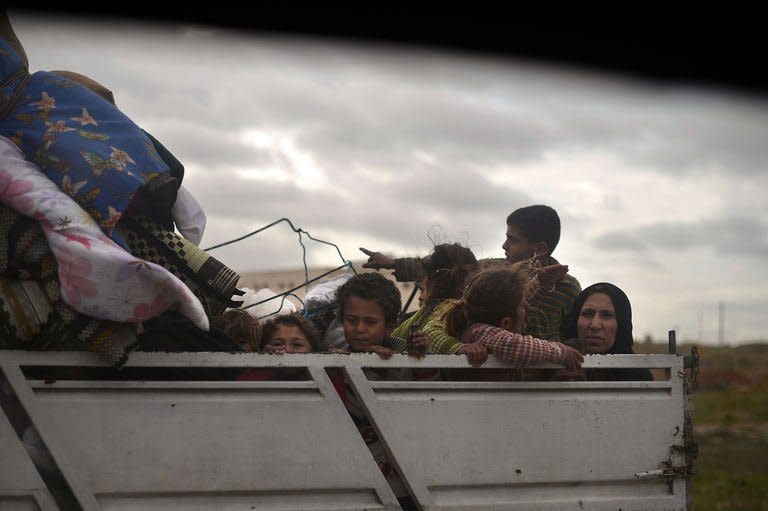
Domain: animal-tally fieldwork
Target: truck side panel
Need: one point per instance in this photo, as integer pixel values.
(130, 444)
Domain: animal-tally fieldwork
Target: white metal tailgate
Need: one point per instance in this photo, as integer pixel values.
(535, 445)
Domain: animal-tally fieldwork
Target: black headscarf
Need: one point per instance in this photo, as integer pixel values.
(623, 343)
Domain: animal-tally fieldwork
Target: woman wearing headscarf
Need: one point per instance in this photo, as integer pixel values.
(601, 322)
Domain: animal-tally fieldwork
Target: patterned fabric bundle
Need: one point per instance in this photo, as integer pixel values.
(32, 314)
(81, 142)
(97, 277)
(209, 279)
(77, 167)
(46, 306)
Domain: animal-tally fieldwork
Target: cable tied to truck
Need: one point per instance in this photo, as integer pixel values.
(290, 292)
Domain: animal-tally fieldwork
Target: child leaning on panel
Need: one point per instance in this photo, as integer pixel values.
(369, 305)
(491, 312)
(289, 333)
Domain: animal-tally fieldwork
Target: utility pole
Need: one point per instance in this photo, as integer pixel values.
(720, 323)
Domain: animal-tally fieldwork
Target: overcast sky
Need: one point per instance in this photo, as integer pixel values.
(661, 187)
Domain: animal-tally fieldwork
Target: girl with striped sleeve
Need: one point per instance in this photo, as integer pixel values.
(491, 312)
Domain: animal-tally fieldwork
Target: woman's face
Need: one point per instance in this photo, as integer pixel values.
(596, 326)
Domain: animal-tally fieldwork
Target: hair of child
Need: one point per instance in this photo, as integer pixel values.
(537, 223)
(240, 326)
(294, 319)
(447, 269)
(324, 320)
(372, 286)
(489, 296)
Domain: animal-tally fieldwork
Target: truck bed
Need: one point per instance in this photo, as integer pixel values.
(181, 437)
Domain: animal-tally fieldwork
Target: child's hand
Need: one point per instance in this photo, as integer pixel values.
(377, 260)
(384, 352)
(574, 343)
(476, 354)
(275, 349)
(550, 275)
(572, 359)
(418, 344)
(338, 351)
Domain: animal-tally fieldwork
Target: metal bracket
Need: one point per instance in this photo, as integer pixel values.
(667, 470)
(692, 362)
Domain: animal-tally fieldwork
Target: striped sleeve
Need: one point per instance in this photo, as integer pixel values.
(404, 329)
(439, 340)
(518, 349)
(408, 269)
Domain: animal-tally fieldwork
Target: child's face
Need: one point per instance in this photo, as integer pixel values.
(422, 291)
(364, 324)
(517, 247)
(291, 338)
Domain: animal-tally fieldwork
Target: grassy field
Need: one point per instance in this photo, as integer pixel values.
(730, 427)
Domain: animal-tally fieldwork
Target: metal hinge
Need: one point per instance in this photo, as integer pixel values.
(692, 362)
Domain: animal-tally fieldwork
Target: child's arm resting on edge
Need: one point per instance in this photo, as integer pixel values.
(476, 353)
(441, 342)
(522, 350)
(382, 351)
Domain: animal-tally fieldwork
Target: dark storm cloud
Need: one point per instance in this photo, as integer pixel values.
(620, 241)
(196, 144)
(732, 236)
(261, 201)
(458, 191)
(377, 103)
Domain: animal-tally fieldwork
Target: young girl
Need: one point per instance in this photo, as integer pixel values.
(445, 271)
(240, 326)
(491, 312)
(289, 333)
